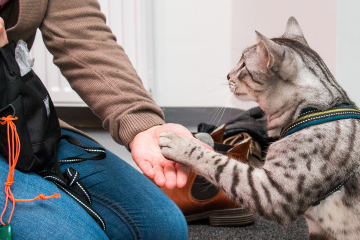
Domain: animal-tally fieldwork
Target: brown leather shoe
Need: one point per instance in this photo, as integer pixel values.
(200, 199)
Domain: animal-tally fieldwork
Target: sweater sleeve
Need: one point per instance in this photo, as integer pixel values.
(98, 69)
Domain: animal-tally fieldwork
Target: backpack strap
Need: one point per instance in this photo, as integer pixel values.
(69, 180)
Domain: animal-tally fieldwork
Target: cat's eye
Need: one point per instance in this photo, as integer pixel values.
(242, 65)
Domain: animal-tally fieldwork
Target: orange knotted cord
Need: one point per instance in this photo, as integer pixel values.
(14, 152)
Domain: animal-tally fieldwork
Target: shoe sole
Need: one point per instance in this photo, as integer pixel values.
(233, 217)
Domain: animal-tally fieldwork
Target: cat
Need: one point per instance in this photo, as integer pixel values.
(284, 75)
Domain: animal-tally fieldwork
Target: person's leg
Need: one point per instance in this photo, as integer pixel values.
(60, 218)
(131, 205)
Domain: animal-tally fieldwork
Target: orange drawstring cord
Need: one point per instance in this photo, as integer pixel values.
(14, 152)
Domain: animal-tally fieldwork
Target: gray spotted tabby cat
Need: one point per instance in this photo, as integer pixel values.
(284, 75)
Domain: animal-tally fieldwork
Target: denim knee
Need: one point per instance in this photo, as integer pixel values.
(172, 224)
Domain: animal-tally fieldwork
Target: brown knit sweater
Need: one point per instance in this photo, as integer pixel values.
(87, 54)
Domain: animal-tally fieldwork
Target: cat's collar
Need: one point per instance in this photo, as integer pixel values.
(311, 116)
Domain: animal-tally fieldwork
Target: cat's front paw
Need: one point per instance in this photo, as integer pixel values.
(175, 147)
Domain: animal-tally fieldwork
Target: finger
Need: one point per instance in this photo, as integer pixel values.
(170, 176)
(182, 174)
(159, 178)
(3, 36)
(176, 128)
(147, 169)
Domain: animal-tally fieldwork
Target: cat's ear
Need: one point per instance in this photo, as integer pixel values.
(274, 51)
(293, 31)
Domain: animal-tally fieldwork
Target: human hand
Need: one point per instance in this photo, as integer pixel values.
(3, 37)
(147, 155)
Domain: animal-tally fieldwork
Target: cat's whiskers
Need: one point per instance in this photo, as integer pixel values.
(223, 92)
(220, 113)
(213, 119)
(217, 113)
(222, 78)
(224, 109)
(217, 91)
(217, 85)
(220, 94)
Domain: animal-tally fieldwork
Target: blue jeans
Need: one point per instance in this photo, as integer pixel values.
(131, 205)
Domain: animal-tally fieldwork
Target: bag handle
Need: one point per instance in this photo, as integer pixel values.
(101, 153)
(69, 181)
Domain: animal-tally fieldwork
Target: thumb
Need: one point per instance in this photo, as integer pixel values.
(3, 36)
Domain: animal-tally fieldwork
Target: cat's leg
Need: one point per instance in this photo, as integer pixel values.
(264, 191)
(315, 231)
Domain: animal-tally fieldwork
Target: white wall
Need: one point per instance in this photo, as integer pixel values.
(348, 47)
(192, 52)
(197, 42)
(317, 20)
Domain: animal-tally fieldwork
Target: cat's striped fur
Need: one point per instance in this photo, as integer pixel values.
(284, 76)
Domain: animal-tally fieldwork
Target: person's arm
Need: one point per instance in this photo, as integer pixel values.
(98, 69)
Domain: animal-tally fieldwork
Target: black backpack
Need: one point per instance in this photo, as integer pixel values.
(27, 99)
(25, 102)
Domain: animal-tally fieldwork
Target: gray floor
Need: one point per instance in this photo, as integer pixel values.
(261, 229)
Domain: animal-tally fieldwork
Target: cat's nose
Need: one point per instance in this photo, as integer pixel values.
(228, 76)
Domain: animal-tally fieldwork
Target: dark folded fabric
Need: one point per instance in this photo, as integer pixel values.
(252, 121)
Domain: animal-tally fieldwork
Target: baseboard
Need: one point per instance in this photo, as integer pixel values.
(79, 117)
(190, 117)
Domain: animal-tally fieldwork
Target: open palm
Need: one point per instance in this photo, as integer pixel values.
(147, 155)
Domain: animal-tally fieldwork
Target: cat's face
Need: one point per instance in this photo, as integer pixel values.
(284, 75)
(251, 76)
(264, 65)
